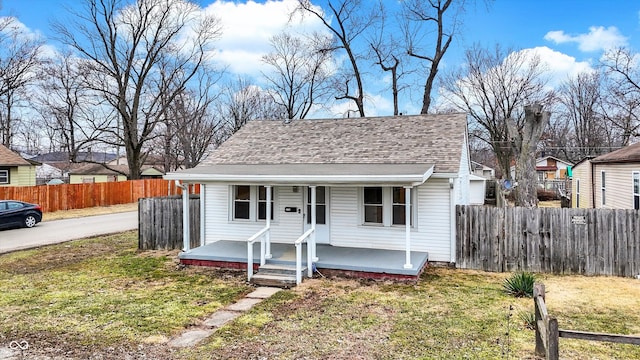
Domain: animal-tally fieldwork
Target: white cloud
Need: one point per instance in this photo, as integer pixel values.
(559, 66)
(598, 38)
(247, 28)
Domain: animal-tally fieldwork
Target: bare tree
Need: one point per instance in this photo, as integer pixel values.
(299, 76)
(621, 66)
(19, 57)
(348, 20)
(423, 18)
(123, 46)
(494, 88)
(240, 102)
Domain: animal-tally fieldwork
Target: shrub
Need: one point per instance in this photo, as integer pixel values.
(528, 319)
(520, 284)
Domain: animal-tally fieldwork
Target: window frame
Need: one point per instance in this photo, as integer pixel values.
(235, 201)
(254, 203)
(260, 201)
(376, 205)
(7, 176)
(577, 192)
(603, 188)
(394, 204)
(635, 190)
(388, 206)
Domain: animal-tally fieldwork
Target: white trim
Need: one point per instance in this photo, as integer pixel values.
(635, 175)
(203, 213)
(577, 192)
(407, 227)
(603, 188)
(6, 175)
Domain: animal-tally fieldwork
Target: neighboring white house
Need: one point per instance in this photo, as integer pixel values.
(482, 170)
(360, 174)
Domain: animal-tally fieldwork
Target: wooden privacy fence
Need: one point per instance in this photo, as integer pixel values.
(552, 240)
(160, 223)
(80, 196)
(548, 334)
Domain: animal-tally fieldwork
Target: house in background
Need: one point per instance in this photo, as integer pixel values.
(552, 168)
(97, 173)
(482, 170)
(368, 195)
(15, 170)
(610, 181)
(56, 165)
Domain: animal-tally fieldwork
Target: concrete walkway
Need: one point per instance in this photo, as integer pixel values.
(196, 334)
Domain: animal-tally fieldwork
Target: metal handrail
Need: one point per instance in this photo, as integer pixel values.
(298, 244)
(259, 235)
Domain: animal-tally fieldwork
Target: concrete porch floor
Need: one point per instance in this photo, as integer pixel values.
(347, 261)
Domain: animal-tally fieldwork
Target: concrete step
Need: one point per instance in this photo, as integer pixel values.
(279, 269)
(274, 280)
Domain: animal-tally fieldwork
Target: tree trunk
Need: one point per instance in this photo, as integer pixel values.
(525, 142)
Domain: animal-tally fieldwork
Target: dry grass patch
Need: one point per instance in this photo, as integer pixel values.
(99, 210)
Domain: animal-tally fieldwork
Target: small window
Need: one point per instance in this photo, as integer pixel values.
(242, 202)
(14, 205)
(262, 203)
(577, 193)
(603, 187)
(636, 190)
(399, 205)
(373, 205)
(4, 176)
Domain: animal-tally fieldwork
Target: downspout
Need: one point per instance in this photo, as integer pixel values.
(186, 241)
(452, 221)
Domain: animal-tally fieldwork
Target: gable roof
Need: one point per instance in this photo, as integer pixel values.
(10, 158)
(421, 144)
(629, 153)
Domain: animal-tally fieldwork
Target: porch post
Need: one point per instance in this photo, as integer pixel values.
(202, 213)
(313, 223)
(267, 235)
(186, 241)
(407, 227)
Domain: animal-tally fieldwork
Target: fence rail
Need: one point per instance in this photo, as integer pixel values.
(548, 334)
(79, 196)
(552, 240)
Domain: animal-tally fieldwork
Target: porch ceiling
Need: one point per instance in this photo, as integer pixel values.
(300, 174)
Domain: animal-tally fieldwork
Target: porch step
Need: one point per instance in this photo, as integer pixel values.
(276, 275)
(274, 280)
(279, 269)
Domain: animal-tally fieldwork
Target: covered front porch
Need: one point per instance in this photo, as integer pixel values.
(332, 260)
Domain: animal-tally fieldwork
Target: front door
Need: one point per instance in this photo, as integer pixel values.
(322, 213)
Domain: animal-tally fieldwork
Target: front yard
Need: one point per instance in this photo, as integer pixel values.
(100, 298)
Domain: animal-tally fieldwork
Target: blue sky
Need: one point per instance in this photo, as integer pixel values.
(570, 35)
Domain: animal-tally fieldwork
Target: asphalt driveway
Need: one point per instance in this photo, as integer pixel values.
(57, 231)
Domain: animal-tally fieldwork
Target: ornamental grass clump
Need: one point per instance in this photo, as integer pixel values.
(520, 284)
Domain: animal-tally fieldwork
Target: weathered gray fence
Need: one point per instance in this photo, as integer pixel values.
(565, 241)
(160, 222)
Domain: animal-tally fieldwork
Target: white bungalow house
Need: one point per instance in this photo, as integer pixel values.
(368, 195)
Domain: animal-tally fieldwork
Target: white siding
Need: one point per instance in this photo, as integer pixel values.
(431, 233)
(285, 227)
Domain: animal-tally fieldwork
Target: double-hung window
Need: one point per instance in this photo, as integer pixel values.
(4, 176)
(250, 202)
(373, 205)
(385, 206)
(242, 202)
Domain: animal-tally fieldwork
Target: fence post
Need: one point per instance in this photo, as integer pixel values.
(553, 340)
(538, 290)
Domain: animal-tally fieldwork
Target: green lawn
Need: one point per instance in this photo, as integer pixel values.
(101, 298)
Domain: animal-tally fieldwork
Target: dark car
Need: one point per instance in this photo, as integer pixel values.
(17, 213)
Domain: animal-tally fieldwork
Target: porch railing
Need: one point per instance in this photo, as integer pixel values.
(298, 244)
(259, 235)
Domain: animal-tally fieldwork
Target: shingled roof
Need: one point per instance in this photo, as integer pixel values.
(629, 153)
(419, 139)
(411, 147)
(10, 158)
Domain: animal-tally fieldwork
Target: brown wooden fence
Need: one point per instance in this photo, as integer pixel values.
(160, 223)
(79, 196)
(553, 240)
